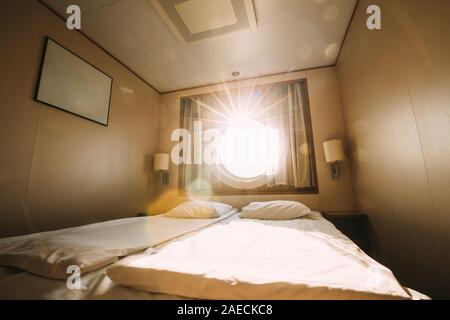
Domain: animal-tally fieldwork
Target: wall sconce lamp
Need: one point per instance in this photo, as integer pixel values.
(161, 165)
(334, 152)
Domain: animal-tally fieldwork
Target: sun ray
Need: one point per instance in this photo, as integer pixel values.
(265, 119)
(249, 98)
(213, 121)
(218, 129)
(211, 109)
(240, 111)
(279, 101)
(230, 99)
(223, 105)
(261, 98)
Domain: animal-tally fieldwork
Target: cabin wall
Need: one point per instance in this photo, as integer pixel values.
(395, 88)
(56, 169)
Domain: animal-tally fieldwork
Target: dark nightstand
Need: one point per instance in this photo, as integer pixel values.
(354, 225)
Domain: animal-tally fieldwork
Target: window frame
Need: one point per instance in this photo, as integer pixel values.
(275, 190)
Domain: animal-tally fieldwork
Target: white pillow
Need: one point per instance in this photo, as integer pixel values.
(274, 210)
(199, 209)
(221, 208)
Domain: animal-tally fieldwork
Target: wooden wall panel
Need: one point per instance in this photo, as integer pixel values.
(394, 86)
(58, 170)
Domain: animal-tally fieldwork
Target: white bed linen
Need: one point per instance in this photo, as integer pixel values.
(93, 246)
(16, 284)
(96, 285)
(254, 259)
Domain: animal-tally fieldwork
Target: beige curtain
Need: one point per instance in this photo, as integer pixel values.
(198, 108)
(286, 112)
(295, 130)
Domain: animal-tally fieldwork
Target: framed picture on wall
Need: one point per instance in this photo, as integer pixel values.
(71, 84)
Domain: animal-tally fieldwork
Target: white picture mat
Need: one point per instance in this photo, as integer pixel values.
(71, 84)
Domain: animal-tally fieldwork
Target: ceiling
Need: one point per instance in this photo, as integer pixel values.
(290, 35)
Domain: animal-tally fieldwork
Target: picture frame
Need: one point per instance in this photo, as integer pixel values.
(69, 83)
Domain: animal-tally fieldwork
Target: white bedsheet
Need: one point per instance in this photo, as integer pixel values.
(254, 259)
(16, 284)
(93, 246)
(96, 285)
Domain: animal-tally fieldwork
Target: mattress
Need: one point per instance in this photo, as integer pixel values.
(91, 247)
(16, 284)
(247, 259)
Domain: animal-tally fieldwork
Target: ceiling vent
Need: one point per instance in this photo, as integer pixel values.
(194, 20)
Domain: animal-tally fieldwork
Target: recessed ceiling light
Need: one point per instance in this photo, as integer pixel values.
(235, 73)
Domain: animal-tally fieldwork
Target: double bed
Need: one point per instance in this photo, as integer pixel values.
(229, 257)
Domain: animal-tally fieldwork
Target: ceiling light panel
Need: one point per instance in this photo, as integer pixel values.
(205, 15)
(193, 20)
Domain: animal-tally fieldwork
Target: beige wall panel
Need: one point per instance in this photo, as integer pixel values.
(390, 159)
(327, 122)
(78, 171)
(424, 39)
(18, 117)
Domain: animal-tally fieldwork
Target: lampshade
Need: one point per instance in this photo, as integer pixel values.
(161, 162)
(334, 150)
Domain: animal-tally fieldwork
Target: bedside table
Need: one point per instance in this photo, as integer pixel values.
(354, 225)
